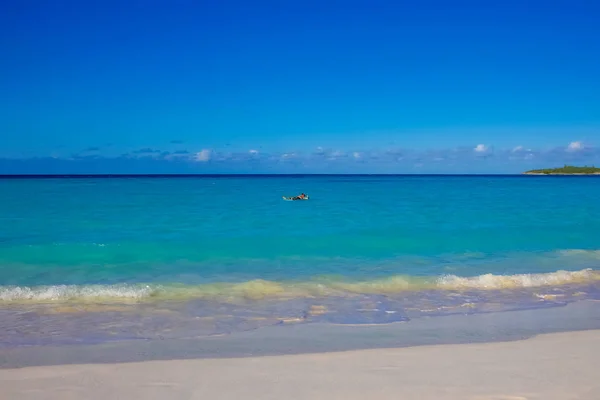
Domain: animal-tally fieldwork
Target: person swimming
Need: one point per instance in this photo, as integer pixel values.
(302, 196)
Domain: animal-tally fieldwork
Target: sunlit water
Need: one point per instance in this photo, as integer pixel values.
(99, 259)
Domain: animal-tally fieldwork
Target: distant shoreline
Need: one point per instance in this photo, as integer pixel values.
(560, 173)
(566, 170)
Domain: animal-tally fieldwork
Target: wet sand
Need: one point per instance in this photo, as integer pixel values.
(552, 366)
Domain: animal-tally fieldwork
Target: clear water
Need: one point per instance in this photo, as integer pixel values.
(134, 257)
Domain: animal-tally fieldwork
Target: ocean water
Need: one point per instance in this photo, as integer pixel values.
(89, 260)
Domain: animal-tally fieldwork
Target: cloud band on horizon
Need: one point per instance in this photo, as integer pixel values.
(478, 157)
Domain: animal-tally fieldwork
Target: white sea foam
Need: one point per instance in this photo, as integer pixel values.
(259, 289)
(74, 292)
(490, 281)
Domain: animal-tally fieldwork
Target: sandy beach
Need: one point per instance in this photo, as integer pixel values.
(552, 366)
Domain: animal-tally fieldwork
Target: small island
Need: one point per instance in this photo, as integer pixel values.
(566, 170)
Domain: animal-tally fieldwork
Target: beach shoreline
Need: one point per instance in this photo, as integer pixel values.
(405, 288)
(317, 338)
(549, 366)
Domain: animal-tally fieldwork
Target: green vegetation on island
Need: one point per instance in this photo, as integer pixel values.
(566, 170)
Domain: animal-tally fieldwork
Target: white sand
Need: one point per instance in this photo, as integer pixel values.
(556, 366)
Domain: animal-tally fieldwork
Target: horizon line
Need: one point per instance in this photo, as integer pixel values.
(225, 175)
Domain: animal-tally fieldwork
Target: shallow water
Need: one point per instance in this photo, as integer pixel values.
(92, 260)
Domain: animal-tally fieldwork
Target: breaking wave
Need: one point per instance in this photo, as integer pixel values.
(261, 289)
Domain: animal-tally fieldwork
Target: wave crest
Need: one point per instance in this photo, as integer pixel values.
(260, 289)
(490, 281)
(75, 292)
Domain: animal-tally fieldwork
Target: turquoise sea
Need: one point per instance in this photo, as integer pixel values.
(98, 259)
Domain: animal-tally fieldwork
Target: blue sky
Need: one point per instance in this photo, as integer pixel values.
(310, 86)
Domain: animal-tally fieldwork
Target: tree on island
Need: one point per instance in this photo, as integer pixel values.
(567, 169)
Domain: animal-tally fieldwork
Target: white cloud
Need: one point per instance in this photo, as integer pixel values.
(287, 156)
(203, 155)
(575, 146)
(328, 154)
(470, 156)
